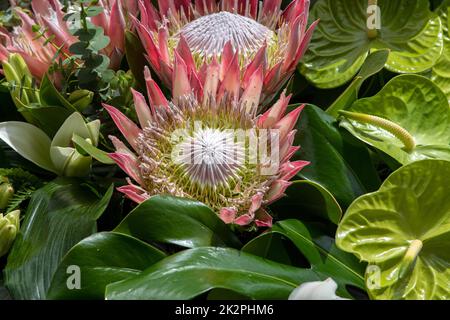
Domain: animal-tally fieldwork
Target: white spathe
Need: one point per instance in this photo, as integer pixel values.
(317, 290)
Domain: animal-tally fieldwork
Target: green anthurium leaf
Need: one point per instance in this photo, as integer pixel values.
(190, 273)
(338, 162)
(101, 259)
(59, 215)
(89, 149)
(441, 70)
(342, 40)
(409, 102)
(178, 221)
(317, 247)
(374, 63)
(28, 141)
(403, 230)
(420, 53)
(307, 199)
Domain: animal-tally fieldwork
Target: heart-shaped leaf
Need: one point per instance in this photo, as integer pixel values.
(59, 215)
(338, 161)
(343, 40)
(418, 117)
(190, 273)
(178, 221)
(404, 231)
(318, 248)
(441, 70)
(102, 259)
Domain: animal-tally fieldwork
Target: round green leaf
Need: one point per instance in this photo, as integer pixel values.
(102, 259)
(404, 231)
(190, 273)
(418, 106)
(341, 42)
(183, 222)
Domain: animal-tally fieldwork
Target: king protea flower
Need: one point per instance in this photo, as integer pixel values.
(201, 121)
(49, 14)
(229, 29)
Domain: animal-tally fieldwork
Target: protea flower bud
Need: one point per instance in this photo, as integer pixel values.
(9, 227)
(207, 144)
(199, 31)
(6, 192)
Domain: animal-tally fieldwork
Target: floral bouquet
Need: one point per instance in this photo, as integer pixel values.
(224, 149)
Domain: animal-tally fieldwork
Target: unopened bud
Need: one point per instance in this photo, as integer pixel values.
(9, 227)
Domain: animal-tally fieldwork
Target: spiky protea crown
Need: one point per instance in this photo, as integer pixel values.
(207, 144)
(199, 31)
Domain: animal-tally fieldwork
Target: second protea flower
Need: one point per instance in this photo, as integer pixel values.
(202, 30)
(207, 144)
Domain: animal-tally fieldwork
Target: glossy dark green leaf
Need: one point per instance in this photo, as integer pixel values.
(59, 215)
(102, 259)
(190, 273)
(178, 221)
(317, 247)
(338, 161)
(308, 200)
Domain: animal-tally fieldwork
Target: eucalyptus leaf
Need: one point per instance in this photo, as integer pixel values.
(102, 259)
(342, 40)
(183, 222)
(190, 273)
(59, 215)
(412, 103)
(404, 231)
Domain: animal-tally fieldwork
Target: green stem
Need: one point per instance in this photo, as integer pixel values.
(372, 33)
(399, 132)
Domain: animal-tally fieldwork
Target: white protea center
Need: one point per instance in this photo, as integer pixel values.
(207, 35)
(211, 157)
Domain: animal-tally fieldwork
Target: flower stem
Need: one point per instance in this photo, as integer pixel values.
(372, 33)
(399, 132)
